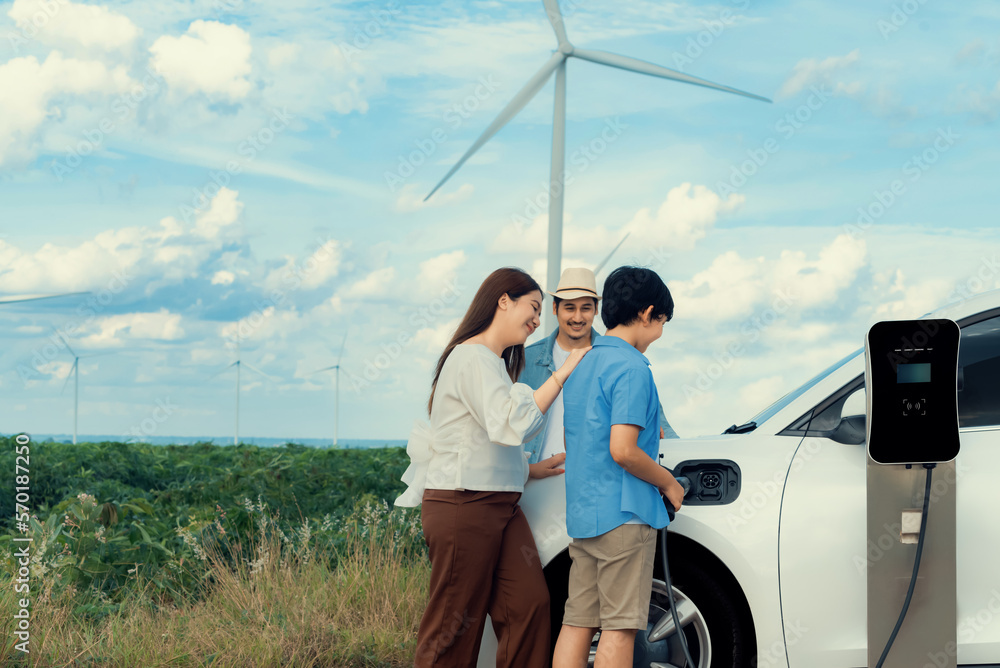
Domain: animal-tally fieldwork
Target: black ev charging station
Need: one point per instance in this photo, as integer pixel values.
(911, 381)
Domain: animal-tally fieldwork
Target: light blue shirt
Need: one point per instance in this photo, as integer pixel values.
(538, 366)
(613, 384)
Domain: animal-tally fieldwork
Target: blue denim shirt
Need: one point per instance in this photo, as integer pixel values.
(612, 385)
(537, 369)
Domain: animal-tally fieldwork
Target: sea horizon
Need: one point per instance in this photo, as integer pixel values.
(261, 441)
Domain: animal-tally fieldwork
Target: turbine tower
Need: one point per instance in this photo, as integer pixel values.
(238, 364)
(557, 63)
(336, 404)
(75, 372)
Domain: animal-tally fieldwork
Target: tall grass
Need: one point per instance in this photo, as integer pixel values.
(321, 592)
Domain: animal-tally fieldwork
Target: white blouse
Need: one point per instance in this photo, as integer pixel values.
(479, 423)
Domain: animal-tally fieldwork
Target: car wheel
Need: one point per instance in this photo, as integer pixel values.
(659, 646)
(729, 628)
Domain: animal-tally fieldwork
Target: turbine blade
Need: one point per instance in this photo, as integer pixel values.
(597, 270)
(326, 368)
(273, 379)
(66, 341)
(15, 299)
(642, 67)
(522, 98)
(72, 370)
(106, 352)
(222, 370)
(556, 19)
(342, 344)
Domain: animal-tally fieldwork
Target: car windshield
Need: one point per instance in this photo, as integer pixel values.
(768, 412)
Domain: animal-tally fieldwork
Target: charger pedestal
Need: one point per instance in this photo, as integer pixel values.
(928, 636)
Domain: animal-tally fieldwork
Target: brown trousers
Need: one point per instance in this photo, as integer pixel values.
(483, 560)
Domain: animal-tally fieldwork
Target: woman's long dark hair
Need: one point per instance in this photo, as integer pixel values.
(508, 281)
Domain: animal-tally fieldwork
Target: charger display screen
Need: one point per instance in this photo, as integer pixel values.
(913, 373)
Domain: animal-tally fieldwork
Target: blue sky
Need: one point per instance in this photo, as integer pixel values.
(209, 168)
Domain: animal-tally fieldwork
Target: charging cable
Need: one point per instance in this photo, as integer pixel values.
(916, 565)
(686, 484)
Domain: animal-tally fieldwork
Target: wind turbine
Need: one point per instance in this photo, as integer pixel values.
(15, 299)
(239, 363)
(336, 405)
(75, 372)
(557, 63)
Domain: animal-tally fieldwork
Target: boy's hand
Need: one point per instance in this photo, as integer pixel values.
(549, 467)
(674, 493)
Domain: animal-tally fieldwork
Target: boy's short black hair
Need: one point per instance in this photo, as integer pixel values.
(557, 300)
(629, 291)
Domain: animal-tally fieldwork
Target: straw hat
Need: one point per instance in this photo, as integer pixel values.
(576, 283)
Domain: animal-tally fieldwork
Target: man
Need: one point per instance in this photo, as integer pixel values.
(575, 306)
(613, 479)
(575, 303)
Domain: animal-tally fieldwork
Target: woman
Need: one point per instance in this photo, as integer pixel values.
(469, 468)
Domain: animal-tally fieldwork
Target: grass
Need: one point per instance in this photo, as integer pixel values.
(287, 600)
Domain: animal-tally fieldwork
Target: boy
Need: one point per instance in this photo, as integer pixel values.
(613, 482)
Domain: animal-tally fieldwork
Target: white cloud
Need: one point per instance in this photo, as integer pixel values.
(117, 259)
(63, 23)
(223, 211)
(438, 271)
(533, 238)
(162, 325)
(223, 277)
(211, 58)
(810, 71)
(315, 78)
(684, 217)
(315, 270)
(734, 287)
(33, 92)
(375, 284)
(410, 199)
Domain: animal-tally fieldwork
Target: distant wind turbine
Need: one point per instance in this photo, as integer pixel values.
(75, 372)
(239, 363)
(557, 63)
(336, 404)
(597, 269)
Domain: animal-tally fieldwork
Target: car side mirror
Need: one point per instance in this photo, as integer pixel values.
(850, 431)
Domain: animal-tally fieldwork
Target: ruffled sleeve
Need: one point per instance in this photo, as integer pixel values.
(420, 449)
(507, 411)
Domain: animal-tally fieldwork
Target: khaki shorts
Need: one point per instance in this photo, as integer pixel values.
(611, 579)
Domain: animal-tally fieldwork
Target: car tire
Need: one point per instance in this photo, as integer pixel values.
(733, 644)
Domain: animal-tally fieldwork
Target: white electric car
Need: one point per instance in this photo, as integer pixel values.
(769, 554)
